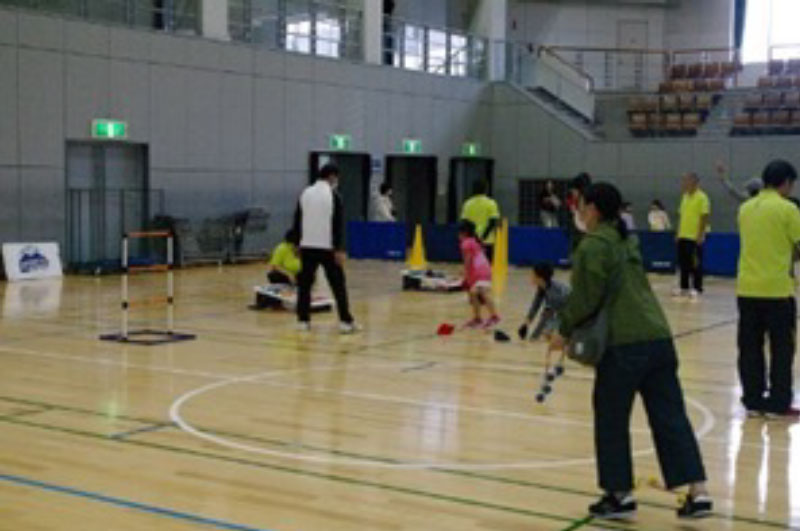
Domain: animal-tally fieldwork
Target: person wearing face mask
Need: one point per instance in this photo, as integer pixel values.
(608, 274)
(382, 204)
(319, 222)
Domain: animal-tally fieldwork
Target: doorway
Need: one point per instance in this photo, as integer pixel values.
(413, 180)
(108, 194)
(464, 173)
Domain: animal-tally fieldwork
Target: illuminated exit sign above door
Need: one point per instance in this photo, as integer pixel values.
(109, 129)
(412, 146)
(341, 142)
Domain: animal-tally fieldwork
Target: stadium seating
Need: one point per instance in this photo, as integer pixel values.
(773, 108)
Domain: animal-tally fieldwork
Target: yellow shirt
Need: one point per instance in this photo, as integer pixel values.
(769, 227)
(693, 208)
(284, 257)
(479, 210)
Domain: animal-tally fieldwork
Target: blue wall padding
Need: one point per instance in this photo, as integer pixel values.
(377, 241)
(528, 245)
(721, 254)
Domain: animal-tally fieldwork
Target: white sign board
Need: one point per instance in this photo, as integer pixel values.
(31, 261)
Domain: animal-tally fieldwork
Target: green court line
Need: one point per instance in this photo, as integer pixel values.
(577, 524)
(444, 470)
(300, 472)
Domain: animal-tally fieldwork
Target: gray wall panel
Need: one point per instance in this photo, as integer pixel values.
(43, 199)
(129, 44)
(168, 116)
(203, 54)
(567, 150)
(299, 129)
(602, 159)
(170, 50)
(8, 27)
(530, 129)
(8, 106)
(353, 114)
(377, 124)
(10, 204)
(236, 58)
(269, 140)
(327, 112)
(41, 118)
(87, 94)
(506, 142)
(92, 39)
(236, 122)
(203, 115)
(129, 97)
(270, 64)
(300, 68)
(40, 31)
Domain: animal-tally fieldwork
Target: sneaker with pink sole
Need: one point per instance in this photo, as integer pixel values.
(491, 322)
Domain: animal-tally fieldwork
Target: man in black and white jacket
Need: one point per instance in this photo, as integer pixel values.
(319, 219)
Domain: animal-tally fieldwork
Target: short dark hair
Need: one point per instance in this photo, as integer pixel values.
(544, 270)
(292, 236)
(580, 182)
(466, 227)
(328, 171)
(777, 173)
(608, 201)
(479, 187)
(658, 203)
(385, 187)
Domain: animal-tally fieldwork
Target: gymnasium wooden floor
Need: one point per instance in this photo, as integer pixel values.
(255, 426)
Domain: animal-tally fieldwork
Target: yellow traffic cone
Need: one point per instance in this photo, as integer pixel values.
(500, 261)
(416, 260)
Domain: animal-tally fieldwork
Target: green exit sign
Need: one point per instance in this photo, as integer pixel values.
(109, 129)
(412, 145)
(471, 149)
(341, 142)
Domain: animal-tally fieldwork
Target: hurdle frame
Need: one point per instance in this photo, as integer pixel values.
(127, 335)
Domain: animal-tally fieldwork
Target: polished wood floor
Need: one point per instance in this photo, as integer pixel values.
(254, 426)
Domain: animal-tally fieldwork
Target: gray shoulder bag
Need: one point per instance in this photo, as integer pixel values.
(589, 339)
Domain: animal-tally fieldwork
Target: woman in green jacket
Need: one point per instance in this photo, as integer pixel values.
(640, 358)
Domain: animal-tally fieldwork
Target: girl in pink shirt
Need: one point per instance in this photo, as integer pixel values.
(477, 277)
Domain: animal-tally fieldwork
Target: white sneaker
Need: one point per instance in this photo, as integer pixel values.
(348, 328)
(694, 295)
(303, 326)
(678, 292)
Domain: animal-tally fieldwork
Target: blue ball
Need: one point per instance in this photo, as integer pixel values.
(540, 398)
(559, 370)
(550, 377)
(547, 389)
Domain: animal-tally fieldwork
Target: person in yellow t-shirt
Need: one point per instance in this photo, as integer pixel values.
(284, 264)
(483, 212)
(769, 226)
(694, 212)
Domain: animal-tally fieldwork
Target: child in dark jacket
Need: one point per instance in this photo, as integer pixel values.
(550, 298)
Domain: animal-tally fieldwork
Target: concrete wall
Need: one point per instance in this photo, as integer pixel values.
(530, 143)
(228, 126)
(699, 24)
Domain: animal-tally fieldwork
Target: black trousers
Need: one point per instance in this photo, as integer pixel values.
(651, 370)
(758, 319)
(276, 277)
(311, 259)
(690, 262)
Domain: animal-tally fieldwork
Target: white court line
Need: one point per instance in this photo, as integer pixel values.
(175, 416)
(221, 376)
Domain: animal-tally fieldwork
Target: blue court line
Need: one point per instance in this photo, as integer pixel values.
(145, 429)
(127, 504)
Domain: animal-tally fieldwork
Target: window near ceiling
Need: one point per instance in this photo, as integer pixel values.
(771, 24)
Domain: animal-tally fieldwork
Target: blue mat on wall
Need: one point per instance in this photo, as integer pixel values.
(376, 241)
(528, 245)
